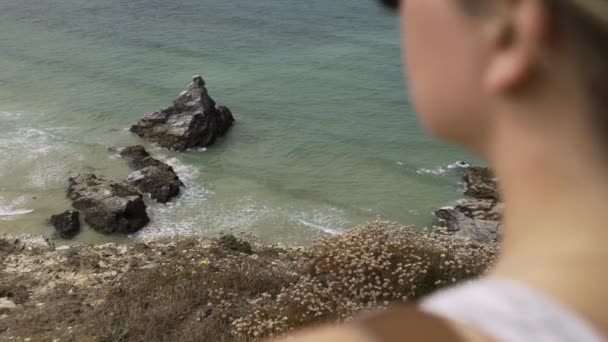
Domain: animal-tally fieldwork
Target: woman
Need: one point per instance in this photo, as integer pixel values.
(523, 83)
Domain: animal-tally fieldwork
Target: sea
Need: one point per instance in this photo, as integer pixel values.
(326, 137)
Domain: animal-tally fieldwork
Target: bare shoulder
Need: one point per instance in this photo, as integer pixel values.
(397, 324)
(329, 334)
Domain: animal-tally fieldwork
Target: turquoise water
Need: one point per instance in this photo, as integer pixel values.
(325, 138)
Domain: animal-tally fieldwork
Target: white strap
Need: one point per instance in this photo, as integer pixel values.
(508, 311)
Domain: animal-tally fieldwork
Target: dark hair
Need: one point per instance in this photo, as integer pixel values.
(587, 31)
(392, 4)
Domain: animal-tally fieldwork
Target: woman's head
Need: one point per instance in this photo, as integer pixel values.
(471, 61)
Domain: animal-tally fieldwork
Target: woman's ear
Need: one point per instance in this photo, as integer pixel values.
(515, 38)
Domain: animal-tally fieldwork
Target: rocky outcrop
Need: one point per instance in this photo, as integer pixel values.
(152, 176)
(476, 218)
(6, 305)
(66, 224)
(194, 120)
(107, 206)
(480, 182)
(479, 221)
(10, 244)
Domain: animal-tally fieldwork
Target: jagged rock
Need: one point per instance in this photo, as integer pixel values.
(24, 243)
(152, 176)
(138, 158)
(479, 231)
(486, 209)
(477, 218)
(480, 182)
(107, 206)
(67, 224)
(6, 305)
(194, 120)
(160, 182)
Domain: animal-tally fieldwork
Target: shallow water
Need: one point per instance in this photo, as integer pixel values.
(325, 138)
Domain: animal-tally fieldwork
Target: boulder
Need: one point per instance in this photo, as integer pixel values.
(479, 232)
(67, 224)
(478, 218)
(194, 120)
(480, 182)
(6, 305)
(486, 209)
(137, 157)
(152, 176)
(10, 244)
(107, 206)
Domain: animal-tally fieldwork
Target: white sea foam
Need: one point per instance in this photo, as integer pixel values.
(195, 212)
(199, 211)
(319, 227)
(10, 115)
(12, 208)
(328, 220)
(8, 211)
(48, 174)
(186, 173)
(442, 170)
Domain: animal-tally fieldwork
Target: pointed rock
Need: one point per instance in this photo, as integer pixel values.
(194, 120)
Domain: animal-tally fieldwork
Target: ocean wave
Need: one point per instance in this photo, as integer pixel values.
(10, 115)
(442, 170)
(31, 142)
(48, 174)
(186, 172)
(12, 208)
(322, 228)
(198, 210)
(8, 211)
(328, 220)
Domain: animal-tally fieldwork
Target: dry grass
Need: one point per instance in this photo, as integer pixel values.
(233, 290)
(193, 300)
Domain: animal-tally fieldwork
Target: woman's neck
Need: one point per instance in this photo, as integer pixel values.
(555, 190)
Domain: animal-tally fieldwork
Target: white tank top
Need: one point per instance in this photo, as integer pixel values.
(508, 311)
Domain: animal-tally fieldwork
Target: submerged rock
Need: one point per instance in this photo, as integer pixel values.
(138, 157)
(194, 120)
(152, 176)
(109, 207)
(67, 224)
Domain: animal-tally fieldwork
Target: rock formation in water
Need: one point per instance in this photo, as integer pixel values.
(477, 217)
(107, 206)
(151, 176)
(66, 224)
(194, 120)
(480, 183)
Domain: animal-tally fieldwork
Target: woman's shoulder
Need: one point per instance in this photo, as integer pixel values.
(483, 310)
(509, 311)
(402, 323)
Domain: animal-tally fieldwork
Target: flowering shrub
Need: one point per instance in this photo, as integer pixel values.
(368, 268)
